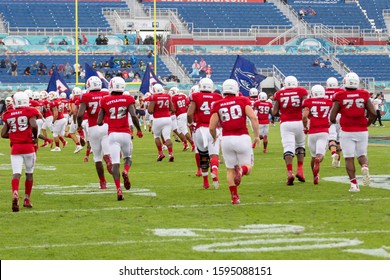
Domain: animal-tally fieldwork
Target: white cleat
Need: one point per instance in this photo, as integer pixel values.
(56, 149)
(216, 184)
(354, 188)
(335, 160)
(366, 176)
(78, 149)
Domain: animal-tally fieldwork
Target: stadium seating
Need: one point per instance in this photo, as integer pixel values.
(56, 13)
(374, 11)
(29, 60)
(227, 15)
(338, 15)
(377, 66)
(297, 65)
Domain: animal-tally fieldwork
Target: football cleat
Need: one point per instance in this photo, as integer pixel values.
(51, 142)
(316, 179)
(107, 160)
(171, 158)
(198, 173)
(56, 149)
(300, 176)
(264, 151)
(78, 149)
(235, 199)
(103, 185)
(126, 181)
(160, 157)
(64, 144)
(44, 144)
(119, 194)
(238, 175)
(185, 147)
(15, 202)
(316, 167)
(354, 188)
(27, 203)
(86, 159)
(366, 176)
(290, 179)
(164, 147)
(206, 185)
(335, 160)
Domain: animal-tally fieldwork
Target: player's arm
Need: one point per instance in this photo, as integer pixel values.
(190, 112)
(133, 115)
(152, 104)
(34, 128)
(371, 112)
(4, 130)
(172, 108)
(101, 115)
(213, 126)
(335, 110)
(255, 124)
(80, 114)
(275, 109)
(55, 113)
(305, 118)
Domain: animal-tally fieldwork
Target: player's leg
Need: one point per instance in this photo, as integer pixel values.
(29, 163)
(288, 142)
(348, 144)
(17, 164)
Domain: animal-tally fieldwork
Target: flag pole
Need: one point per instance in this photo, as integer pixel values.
(76, 7)
(155, 36)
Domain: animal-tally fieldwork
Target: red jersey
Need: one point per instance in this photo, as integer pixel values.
(92, 102)
(231, 113)
(180, 103)
(38, 104)
(330, 92)
(252, 101)
(352, 109)
(115, 107)
(204, 102)
(290, 103)
(263, 109)
(20, 132)
(319, 114)
(46, 105)
(65, 105)
(161, 107)
(57, 104)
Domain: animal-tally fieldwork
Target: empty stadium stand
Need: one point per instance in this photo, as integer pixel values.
(377, 66)
(227, 15)
(297, 65)
(374, 9)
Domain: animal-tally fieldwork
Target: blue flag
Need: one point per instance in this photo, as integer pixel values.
(149, 80)
(57, 83)
(246, 75)
(89, 72)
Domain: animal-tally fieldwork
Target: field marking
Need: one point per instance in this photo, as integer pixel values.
(327, 244)
(380, 252)
(377, 181)
(190, 206)
(44, 167)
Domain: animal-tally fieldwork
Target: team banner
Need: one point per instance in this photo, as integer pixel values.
(89, 72)
(149, 80)
(57, 83)
(246, 75)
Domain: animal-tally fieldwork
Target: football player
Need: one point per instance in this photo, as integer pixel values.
(263, 109)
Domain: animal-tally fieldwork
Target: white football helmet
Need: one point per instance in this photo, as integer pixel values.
(158, 88)
(93, 83)
(318, 91)
(126, 92)
(253, 92)
(263, 96)
(230, 87)
(52, 95)
(76, 91)
(290, 82)
(173, 91)
(29, 93)
(148, 94)
(206, 85)
(194, 88)
(21, 99)
(43, 94)
(9, 101)
(37, 96)
(351, 81)
(117, 84)
(332, 83)
(63, 95)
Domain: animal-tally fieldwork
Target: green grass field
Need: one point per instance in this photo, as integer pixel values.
(167, 215)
